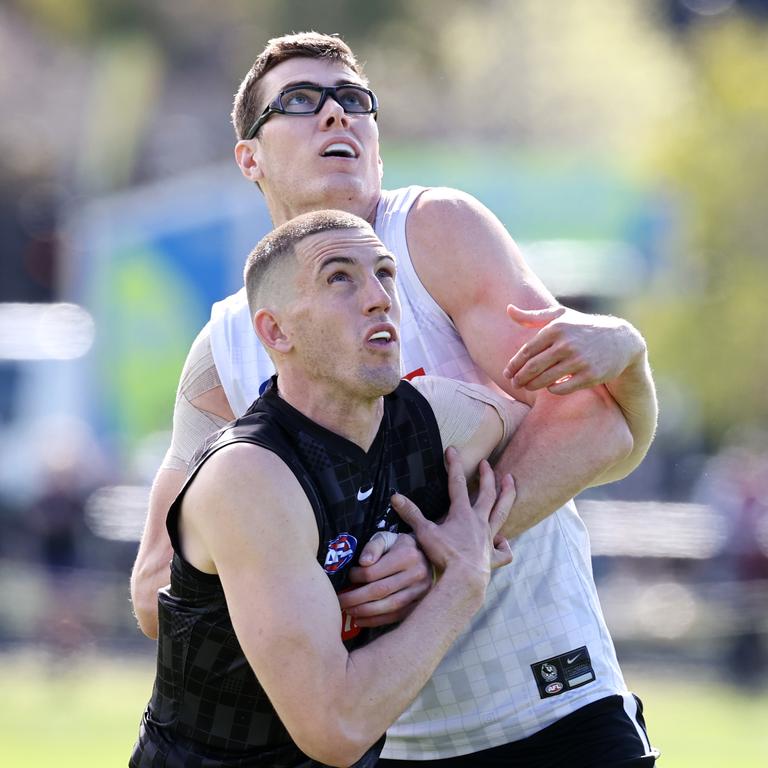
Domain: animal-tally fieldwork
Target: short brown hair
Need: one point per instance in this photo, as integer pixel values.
(311, 45)
(281, 243)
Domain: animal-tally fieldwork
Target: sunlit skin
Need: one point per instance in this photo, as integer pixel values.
(335, 338)
(285, 157)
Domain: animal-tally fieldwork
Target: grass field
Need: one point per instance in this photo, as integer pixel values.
(85, 714)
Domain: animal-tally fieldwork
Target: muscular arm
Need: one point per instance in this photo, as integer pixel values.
(201, 408)
(477, 422)
(572, 350)
(286, 615)
(472, 268)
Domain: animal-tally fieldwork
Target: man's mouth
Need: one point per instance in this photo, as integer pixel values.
(339, 149)
(382, 337)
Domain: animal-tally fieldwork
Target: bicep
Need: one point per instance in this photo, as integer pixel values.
(283, 607)
(480, 270)
(476, 420)
(287, 619)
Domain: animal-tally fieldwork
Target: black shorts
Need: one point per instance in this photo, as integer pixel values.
(600, 735)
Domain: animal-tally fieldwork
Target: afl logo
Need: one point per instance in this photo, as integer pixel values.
(340, 552)
(554, 688)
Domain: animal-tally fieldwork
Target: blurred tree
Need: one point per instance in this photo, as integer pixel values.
(706, 326)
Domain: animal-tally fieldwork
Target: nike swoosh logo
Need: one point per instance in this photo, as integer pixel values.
(572, 659)
(363, 495)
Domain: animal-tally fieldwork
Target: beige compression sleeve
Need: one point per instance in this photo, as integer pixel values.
(191, 425)
(459, 408)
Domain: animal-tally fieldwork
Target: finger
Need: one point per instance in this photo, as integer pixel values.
(536, 366)
(531, 350)
(486, 494)
(559, 372)
(457, 481)
(571, 384)
(395, 601)
(387, 618)
(409, 513)
(400, 559)
(375, 592)
(503, 505)
(534, 318)
(378, 546)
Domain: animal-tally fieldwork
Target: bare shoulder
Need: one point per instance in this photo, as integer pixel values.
(244, 490)
(444, 212)
(464, 255)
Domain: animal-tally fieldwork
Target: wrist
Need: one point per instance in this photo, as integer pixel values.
(467, 578)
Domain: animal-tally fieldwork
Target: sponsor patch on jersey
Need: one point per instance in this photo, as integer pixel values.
(340, 551)
(563, 673)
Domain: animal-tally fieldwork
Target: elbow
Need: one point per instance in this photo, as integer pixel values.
(605, 418)
(336, 743)
(144, 606)
(623, 443)
(616, 442)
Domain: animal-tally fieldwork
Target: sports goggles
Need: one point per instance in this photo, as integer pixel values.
(309, 100)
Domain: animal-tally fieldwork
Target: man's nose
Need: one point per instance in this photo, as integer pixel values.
(332, 113)
(377, 298)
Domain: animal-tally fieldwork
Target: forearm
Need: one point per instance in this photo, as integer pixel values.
(151, 570)
(383, 678)
(564, 445)
(297, 655)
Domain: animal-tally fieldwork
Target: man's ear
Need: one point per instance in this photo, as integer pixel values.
(268, 329)
(246, 159)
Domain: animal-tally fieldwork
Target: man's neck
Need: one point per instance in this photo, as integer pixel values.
(354, 418)
(365, 209)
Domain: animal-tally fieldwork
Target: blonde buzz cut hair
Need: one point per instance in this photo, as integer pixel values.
(261, 275)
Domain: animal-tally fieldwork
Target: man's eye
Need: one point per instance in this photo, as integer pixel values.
(299, 99)
(351, 100)
(385, 272)
(338, 277)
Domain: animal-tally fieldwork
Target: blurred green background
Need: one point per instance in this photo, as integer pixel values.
(623, 144)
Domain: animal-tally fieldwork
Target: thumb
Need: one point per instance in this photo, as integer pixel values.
(373, 550)
(534, 318)
(502, 552)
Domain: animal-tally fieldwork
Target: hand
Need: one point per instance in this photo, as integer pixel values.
(571, 350)
(469, 534)
(395, 578)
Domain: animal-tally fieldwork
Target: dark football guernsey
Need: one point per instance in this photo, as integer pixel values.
(207, 707)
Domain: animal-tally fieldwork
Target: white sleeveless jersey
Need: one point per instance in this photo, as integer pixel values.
(539, 649)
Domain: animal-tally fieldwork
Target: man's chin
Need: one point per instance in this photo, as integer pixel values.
(348, 182)
(382, 382)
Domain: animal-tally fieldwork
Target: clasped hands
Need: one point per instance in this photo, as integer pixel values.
(395, 573)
